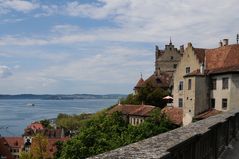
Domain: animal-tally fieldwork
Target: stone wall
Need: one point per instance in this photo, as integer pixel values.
(205, 139)
(189, 59)
(168, 59)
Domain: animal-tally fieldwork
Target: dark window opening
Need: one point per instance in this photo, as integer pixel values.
(214, 84)
(158, 80)
(187, 69)
(224, 83)
(224, 103)
(174, 65)
(189, 84)
(180, 102)
(180, 85)
(213, 103)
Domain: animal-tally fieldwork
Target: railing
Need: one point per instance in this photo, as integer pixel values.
(205, 139)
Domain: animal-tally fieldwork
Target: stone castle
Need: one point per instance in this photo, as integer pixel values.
(166, 62)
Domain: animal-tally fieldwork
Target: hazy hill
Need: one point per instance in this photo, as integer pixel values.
(62, 96)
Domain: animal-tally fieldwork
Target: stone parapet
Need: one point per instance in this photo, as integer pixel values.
(207, 138)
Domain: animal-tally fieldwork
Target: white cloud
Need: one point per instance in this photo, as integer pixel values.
(109, 70)
(135, 22)
(108, 66)
(48, 10)
(99, 10)
(5, 71)
(65, 28)
(7, 21)
(141, 20)
(17, 5)
(201, 22)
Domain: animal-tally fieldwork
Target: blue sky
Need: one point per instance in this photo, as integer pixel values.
(101, 46)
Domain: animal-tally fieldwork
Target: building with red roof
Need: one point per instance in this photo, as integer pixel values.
(35, 126)
(134, 114)
(11, 147)
(4, 149)
(207, 79)
(174, 114)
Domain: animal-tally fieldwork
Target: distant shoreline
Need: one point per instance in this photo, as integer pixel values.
(62, 96)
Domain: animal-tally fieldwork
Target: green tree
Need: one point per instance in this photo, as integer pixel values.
(105, 132)
(144, 92)
(39, 147)
(156, 98)
(148, 95)
(26, 155)
(45, 123)
(131, 99)
(59, 146)
(71, 122)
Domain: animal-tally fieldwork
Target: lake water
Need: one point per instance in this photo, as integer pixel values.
(15, 115)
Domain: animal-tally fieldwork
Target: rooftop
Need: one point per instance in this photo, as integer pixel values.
(174, 114)
(137, 110)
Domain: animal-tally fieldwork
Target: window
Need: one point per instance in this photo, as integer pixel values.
(189, 84)
(212, 103)
(224, 103)
(187, 69)
(180, 85)
(225, 83)
(171, 57)
(214, 84)
(180, 102)
(174, 65)
(158, 80)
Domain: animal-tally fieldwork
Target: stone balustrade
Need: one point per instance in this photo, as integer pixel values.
(205, 139)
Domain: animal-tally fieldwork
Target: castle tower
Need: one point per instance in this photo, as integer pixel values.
(166, 60)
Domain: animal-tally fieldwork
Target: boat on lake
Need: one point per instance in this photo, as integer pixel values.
(30, 104)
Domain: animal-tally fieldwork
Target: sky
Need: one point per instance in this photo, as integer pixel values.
(100, 46)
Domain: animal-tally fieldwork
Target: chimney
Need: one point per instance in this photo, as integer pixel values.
(225, 42)
(220, 44)
(181, 49)
(158, 72)
(156, 48)
(202, 68)
(190, 44)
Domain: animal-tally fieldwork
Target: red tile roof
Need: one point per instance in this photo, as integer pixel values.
(163, 80)
(219, 60)
(200, 53)
(4, 150)
(232, 69)
(174, 114)
(207, 114)
(14, 141)
(139, 83)
(36, 126)
(195, 73)
(137, 110)
(222, 57)
(52, 144)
